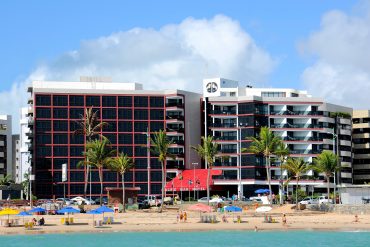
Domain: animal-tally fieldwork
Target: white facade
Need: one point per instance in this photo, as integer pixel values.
(6, 159)
(23, 164)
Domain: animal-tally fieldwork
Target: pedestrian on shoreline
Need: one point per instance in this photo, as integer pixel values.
(283, 220)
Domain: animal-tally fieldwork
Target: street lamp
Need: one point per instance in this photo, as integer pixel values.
(335, 136)
(240, 191)
(147, 157)
(194, 164)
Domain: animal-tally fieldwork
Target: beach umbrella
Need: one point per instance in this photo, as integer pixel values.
(37, 210)
(68, 210)
(9, 211)
(233, 209)
(23, 213)
(200, 207)
(93, 212)
(104, 209)
(261, 191)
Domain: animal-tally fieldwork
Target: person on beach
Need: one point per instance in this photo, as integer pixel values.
(224, 219)
(255, 228)
(181, 216)
(356, 218)
(185, 216)
(283, 220)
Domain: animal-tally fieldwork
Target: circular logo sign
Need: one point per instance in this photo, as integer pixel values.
(212, 87)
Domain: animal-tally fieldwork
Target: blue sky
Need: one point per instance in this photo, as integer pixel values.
(35, 31)
(320, 46)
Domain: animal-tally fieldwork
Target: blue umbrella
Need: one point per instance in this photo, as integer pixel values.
(24, 214)
(93, 212)
(37, 210)
(233, 209)
(261, 191)
(68, 210)
(104, 209)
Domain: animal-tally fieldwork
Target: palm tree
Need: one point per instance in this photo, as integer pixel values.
(90, 126)
(99, 155)
(159, 146)
(7, 180)
(207, 151)
(266, 145)
(281, 152)
(122, 164)
(326, 163)
(297, 167)
(26, 184)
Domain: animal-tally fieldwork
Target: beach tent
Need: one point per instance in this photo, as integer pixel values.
(22, 214)
(233, 209)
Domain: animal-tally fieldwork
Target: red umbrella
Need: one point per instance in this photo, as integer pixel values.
(200, 207)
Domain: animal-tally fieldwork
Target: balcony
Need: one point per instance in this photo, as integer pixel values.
(296, 126)
(232, 164)
(223, 112)
(175, 117)
(297, 113)
(228, 150)
(223, 125)
(31, 121)
(225, 138)
(175, 104)
(301, 138)
(304, 151)
(181, 130)
(178, 142)
(29, 134)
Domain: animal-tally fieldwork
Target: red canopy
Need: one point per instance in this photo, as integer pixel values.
(195, 179)
(200, 207)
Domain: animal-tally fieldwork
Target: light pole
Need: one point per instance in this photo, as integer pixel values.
(240, 191)
(335, 136)
(194, 164)
(148, 158)
(31, 178)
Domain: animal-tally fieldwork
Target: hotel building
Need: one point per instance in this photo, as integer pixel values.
(6, 156)
(307, 125)
(361, 146)
(130, 113)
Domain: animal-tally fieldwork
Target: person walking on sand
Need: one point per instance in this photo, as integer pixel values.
(283, 220)
(185, 216)
(356, 218)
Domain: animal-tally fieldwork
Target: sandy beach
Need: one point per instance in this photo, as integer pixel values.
(167, 221)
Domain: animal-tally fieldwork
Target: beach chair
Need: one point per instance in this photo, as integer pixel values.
(70, 220)
(62, 221)
(26, 225)
(105, 220)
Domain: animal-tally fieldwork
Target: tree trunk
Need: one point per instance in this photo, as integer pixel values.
(208, 179)
(268, 177)
(86, 176)
(328, 184)
(163, 186)
(101, 184)
(296, 193)
(123, 193)
(281, 185)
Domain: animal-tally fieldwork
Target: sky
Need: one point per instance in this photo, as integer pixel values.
(319, 46)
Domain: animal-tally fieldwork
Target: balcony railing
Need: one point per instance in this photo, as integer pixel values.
(223, 177)
(223, 112)
(175, 117)
(301, 138)
(225, 138)
(175, 130)
(303, 151)
(223, 125)
(297, 113)
(175, 104)
(295, 126)
(228, 150)
(178, 142)
(225, 164)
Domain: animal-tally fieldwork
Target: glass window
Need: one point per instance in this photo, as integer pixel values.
(60, 151)
(43, 112)
(43, 125)
(73, 163)
(43, 163)
(60, 138)
(76, 151)
(59, 162)
(60, 125)
(126, 150)
(156, 126)
(92, 100)
(109, 113)
(141, 101)
(76, 177)
(125, 138)
(124, 101)
(76, 113)
(60, 113)
(77, 139)
(109, 101)
(125, 114)
(42, 151)
(44, 100)
(109, 176)
(140, 139)
(128, 176)
(112, 138)
(156, 101)
(156, 176)
(155, 164)
(110, 126)
(143, 188)
(156, 114)
(141, 163)
(156, 188)
(43, 139)
(60, 100)
(141, 114)
(140, 151)
(77, 189)
(141, 176)
(74, 125)
(141, 126)
(125, 126)
(76, 100)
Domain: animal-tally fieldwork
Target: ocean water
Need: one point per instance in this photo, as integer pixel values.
(198, 239)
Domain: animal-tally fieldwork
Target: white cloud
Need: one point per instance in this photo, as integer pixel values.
(341, 73)
(175, 56)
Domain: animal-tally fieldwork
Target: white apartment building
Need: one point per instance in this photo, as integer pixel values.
(23, 156)
(306, 124)
(6, 159)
